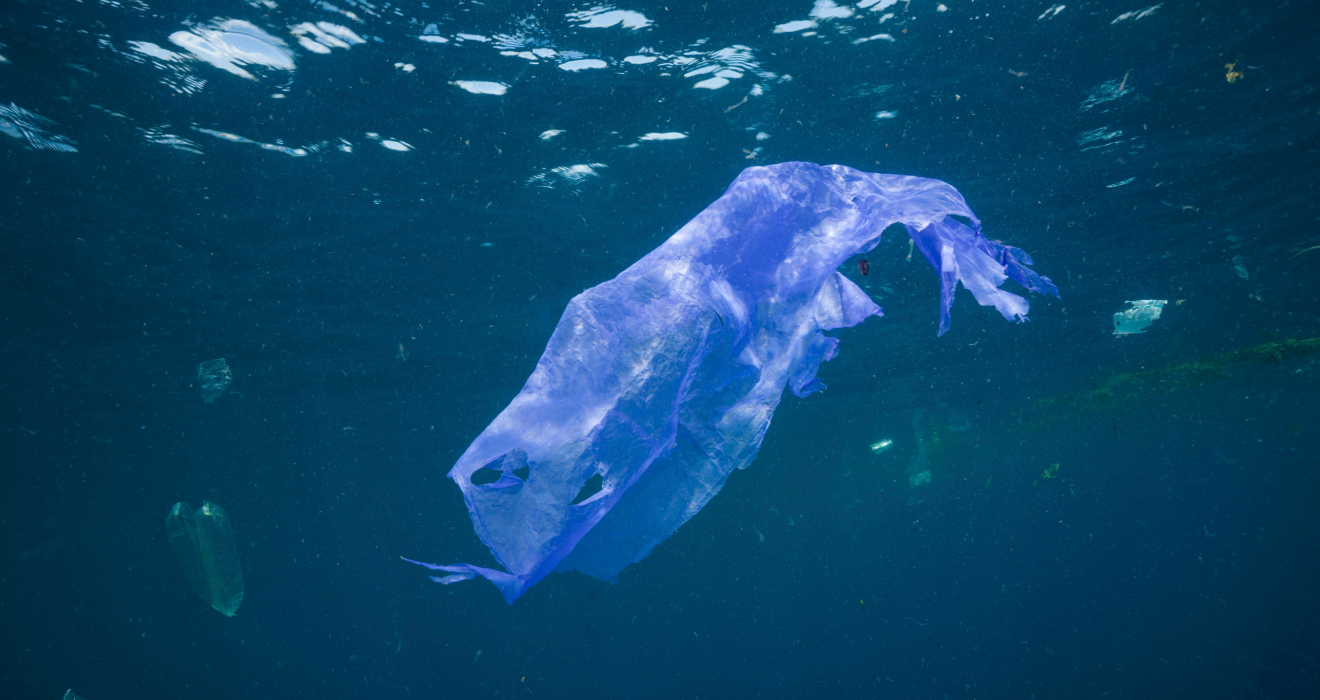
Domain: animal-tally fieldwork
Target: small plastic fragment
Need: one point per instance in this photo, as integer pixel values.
(204, 544)
(1138, 318)
(214, 377)
(882, 446)
(1240, 267)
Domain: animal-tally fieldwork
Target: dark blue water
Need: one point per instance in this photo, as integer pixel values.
(380, 247)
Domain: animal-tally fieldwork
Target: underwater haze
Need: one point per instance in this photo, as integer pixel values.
(270, 267)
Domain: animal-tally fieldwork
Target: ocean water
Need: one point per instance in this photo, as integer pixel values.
(376, 212)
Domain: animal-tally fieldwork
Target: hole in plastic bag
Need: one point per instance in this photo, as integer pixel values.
(589, 489)
(486, 475)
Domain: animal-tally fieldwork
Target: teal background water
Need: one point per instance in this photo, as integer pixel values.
(378, 307)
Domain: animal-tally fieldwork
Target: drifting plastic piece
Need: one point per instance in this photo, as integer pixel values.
(205, 547)
(214, 377)
(1138, 318)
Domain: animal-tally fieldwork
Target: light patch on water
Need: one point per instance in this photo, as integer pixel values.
(761, 136)
(572, 176)
(324, 36)
(876, 5)
(886, 115)
(147, 48)
(1100, 137)
(433, 39)
(712, 83)
(395, 145)
(826, 9)
(481, 87)
(235, 138)
(550, 133)
(1120, 184)
(639, 60)
(881, 37)
(664, 136)
(158, 136)
(473, 37)
(1137, 14)
(533, 55)
(29, 126)
(233, 43)
(1051, 12)
(600, 17)
(583, 64)
(177, 75)
(795, 26)
(1107, 91)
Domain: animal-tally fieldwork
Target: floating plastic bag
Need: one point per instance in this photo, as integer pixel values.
(1138, 318)
(657, 384)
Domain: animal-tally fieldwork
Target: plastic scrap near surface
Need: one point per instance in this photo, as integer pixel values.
(214, 377)
(657, 384)
(1138, 318)
(204, 545)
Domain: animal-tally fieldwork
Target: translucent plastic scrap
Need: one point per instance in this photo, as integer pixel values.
(961, 254)
(657, 384)
(1138, 318)
(204, 545)
(214, 377)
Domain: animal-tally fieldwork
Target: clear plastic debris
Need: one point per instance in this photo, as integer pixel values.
(70, 695)
(1240, 267)
(214, 377)
(920, 478)
(204, 544)
(1138, 318)
(882, 446)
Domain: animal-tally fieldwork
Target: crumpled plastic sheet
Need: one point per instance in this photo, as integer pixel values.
(1138, 318)
(663, 380)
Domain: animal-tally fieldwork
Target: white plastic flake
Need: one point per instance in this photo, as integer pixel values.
(1138, 318)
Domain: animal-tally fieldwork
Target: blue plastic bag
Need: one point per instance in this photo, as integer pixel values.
(662, 381)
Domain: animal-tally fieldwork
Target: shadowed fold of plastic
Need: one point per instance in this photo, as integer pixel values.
(663, 380)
